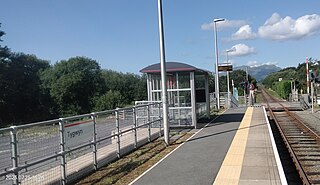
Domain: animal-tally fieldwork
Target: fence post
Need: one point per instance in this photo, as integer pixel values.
(149, 124)
(14, 154)
(135, 126)
(94, 142)
(118, 132)
(62, 153)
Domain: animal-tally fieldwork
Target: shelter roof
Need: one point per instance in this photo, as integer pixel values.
(172, 67)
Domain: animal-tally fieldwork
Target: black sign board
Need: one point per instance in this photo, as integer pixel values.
(227, 67)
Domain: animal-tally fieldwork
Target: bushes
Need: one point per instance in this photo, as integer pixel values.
(282, 88)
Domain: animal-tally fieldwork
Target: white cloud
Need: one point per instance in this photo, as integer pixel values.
(252, 63)
(271, 63)
(257, 64)
(277, 28)
(233, 62)
(242, 50)
(244, 33)
(224, 24)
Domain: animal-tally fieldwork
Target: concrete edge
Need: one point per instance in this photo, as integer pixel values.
(140, 176)
(275, 151)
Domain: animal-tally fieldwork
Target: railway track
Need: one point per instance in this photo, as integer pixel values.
(301, 141)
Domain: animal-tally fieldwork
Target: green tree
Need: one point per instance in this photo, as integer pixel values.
(21, 94)
(238, 77)
(4, 50)
(109, 101)
(73, 85)
(283, 88)
(286, 74)
(132, 87)
(4, 55)
(296, 75)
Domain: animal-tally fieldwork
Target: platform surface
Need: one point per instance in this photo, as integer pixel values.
(236, 148)
(251, 158)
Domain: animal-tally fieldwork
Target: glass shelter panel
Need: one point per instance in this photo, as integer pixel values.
(179, 96)
(200, 88)
(156, 96)
(156, 82)
(171, 81)
(200, 81)
(184, 80)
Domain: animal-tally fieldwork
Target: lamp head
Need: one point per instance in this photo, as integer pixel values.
(231, 50)
(218, 20)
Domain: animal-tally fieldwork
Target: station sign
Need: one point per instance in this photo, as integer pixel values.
(225, 67)
(77, 133)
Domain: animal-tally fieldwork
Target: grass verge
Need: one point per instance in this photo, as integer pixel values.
(129, 167)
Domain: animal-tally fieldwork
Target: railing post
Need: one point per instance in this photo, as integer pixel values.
(149, 123)
(14, 154)
(94, 142)
(135, 126)
(159, 108)
(62, 153)
(118, 132)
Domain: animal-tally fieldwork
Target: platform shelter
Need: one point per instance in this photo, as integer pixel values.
(188, 92)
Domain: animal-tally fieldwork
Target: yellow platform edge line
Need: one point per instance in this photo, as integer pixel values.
(230, 170)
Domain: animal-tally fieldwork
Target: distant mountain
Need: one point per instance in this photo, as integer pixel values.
(259, 72)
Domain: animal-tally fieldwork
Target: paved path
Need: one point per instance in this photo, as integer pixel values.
(198, 160)
(251, 157)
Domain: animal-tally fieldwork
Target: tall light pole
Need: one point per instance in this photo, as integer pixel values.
(216, 51)
(307, 72)
(163, 76)
(228, 82)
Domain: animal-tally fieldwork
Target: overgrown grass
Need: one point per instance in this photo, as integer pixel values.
(126, 169)
(259, 98)
(273, 93)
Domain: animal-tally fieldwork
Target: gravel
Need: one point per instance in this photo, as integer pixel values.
(312, 119)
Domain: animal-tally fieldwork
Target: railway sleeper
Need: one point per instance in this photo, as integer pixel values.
(299, 136)
(311, 163)
(307, 158)
(314, 179)
(305, 138)
(298, 145)
(308, 155)
(307, 149)
(312, 170)
(300, 139)
(301, 142)
(293, 131)
(310, 140)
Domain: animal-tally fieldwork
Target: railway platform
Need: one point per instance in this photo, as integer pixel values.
(235, 148)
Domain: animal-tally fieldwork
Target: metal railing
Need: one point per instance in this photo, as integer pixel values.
(303, 102)
(233, 102)
(63, 150)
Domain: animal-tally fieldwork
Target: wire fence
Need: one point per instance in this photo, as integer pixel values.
(63, 150)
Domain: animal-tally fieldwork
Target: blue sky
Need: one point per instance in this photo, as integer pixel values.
(122, 35)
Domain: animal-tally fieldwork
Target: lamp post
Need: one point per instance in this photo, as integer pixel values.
(216, 52)
(228, 82)
(291, 85)
(163, 76)
(307, 71)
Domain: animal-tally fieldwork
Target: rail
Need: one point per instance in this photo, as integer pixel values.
(295, 135)
(60, 151)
